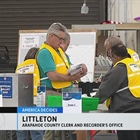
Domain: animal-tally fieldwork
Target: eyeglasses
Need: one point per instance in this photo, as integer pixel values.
(60, 38)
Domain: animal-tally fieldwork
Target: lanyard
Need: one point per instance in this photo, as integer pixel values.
(58, 52)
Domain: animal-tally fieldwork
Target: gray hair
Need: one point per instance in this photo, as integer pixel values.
(55, 28)
(112, 40)
(67, 37)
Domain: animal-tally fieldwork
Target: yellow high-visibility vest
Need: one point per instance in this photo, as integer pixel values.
(133, 71)
(61, 63)
(30, 67)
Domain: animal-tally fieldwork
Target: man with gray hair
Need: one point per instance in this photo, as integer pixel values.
(110, 42)
(64, 46)
(53, 64)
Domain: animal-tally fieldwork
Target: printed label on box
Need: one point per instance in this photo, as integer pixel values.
(72, 102)
(41, 95)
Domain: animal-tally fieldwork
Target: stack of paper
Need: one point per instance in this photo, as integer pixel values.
(74, 69)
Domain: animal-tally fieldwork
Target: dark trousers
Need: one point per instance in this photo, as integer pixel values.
(128, 134)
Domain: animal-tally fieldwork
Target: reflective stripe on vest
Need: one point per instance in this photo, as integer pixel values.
(59, 65)
(122, 89)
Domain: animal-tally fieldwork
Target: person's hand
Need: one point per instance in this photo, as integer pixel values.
(76, 77)
(84, 70)
(99, 79)
(80, 74)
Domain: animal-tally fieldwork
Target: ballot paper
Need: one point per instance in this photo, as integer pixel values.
(92, 94)
(74, 69)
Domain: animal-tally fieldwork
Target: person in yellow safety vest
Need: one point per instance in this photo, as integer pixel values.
(124, 80)
(135, 57)
(29, 66)
(52, 63)
(108, 44)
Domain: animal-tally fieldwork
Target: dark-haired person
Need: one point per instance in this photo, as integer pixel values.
(124, 92)
(114, 40)
(29, 66)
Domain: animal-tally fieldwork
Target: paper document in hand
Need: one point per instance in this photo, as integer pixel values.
(74, 69)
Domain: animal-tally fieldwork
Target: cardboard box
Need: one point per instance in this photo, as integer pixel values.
(81, 134)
